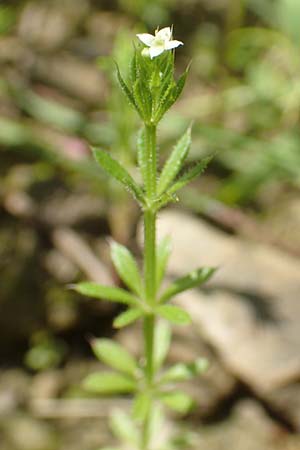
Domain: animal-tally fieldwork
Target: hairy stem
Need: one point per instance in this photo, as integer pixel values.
(149, 273)
(150, 256)
(149, 327)
(150, 182)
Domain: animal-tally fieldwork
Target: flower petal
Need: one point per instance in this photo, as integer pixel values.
(164, 33)
(156, 50)
(172, 44)
(146, 38)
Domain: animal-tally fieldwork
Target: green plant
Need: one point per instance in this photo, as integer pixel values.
(151, 90)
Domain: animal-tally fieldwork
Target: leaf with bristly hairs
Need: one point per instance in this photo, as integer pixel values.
(185, 371)
(142, 153)
(178, 401)
(127, 267)
(127, 91)
(174, 162)
(114, 168)
(172, 93)
(143, 99)
(109, 383)
(174, 314)
(187, 176)
(163, 253)
(114, 355)
(162, 342)
(111, 293)
(193, 279)
(128, 317)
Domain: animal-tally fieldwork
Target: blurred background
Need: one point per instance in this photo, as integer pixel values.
(58, 95)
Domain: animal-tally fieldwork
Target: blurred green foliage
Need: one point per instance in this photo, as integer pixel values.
(58, 95)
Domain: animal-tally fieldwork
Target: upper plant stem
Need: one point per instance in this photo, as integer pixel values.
(149, 272)
(150, 182)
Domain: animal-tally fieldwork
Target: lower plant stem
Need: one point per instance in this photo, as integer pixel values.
(149, 327)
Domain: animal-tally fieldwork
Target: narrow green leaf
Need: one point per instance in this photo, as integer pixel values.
(162, 341)
(172, 93)
(142, 153)
(133, 68)
(178, 401)
(163, 253)
(189, 175)
(127, 317)
(123, 427)
(108, 383)
(114, 168)
(156, 421)
(141, 406)
(114, 355)
(193, 279)
(126, 90)
(183, 372)
(181, 83)
(127, 268)
(111, 293)
(174, 314)
(143, 98)
(174, 162)
(165, 102)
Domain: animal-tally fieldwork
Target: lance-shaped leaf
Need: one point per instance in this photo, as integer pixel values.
(164, 101)
(126, 267)
(108, 383)
(189, 175)
(178, 401)
(156, 421)
(114, 168)
(185, 371)
(141, 406)
(134, 71)
(182, 180)
(111, 293)
(162, 342)
(124, 428)
(181, 83)
(174, 314)
(127, 91)
(127, 317)
(163, 253)
(174, 162)
(193, 279)
(173, 92)
(142, 153)
(114, 355)
(143, 99)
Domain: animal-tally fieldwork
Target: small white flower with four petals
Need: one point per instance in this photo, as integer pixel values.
(161, 41)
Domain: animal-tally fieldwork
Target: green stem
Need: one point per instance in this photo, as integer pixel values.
(149, 323)
(149, 328)
(150, 182)
(150, 256)
(150, 216)
(149, 273)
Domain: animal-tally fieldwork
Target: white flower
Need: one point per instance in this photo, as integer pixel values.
(161, 41)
